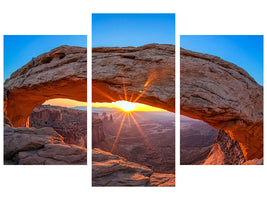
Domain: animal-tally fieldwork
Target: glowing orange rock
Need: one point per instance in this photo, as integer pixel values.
(143, 74)
(60, 73)
(224, 96)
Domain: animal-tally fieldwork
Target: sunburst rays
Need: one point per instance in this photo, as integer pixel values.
(128, 113)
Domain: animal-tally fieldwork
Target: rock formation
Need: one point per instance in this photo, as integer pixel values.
(97, 130)
(224, 96)
(31, 146)
(225, 151)
(144, 74)
(233, 104)
(71, 124)
(112, 170)
(45, 114)
(60, 73)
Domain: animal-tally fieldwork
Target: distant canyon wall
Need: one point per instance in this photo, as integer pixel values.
(98, 134)
(71, 124)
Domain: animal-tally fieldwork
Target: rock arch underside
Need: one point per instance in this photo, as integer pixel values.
(224, 96)
(213, 90)
(144, 74)
(60, 73)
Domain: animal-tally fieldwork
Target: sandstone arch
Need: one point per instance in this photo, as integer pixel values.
(60, 73)
(213, 90)
(225, 96)
(145, 74)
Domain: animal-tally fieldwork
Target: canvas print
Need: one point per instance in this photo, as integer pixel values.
(45, 99)
(133, 95)
(221, 100)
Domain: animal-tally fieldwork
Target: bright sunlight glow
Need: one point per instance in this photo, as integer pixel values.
(126, 106)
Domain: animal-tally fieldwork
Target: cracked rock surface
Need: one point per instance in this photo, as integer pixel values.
(112, 170)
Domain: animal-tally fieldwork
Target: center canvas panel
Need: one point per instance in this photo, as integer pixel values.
(133, 100)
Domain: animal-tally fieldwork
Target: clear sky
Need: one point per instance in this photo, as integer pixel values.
(19, 49)
(122, 30)
(246, 51)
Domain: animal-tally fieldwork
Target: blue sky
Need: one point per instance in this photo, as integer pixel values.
(122, 30)
(246, 51)
(19, 49)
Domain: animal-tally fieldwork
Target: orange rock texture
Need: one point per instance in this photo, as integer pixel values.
(224, 96)
(60, 73)
(112, 170)
(143, 74)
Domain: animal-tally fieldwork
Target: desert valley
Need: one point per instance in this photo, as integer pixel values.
(153, 146)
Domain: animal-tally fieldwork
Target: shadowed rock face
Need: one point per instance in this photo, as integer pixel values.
(60, 73)
(145, 74)
(224, 96)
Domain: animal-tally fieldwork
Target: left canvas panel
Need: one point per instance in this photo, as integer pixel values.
(45, 99)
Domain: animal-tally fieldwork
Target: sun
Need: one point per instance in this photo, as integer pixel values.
(126, 106)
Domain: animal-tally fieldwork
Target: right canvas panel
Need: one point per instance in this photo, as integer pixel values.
(221, 100)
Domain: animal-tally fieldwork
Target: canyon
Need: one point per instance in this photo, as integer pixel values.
(196, 140)
(203, 145)
(150, 143)
(70, 123)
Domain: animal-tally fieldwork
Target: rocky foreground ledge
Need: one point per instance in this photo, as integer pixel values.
(44, 146)
(113, 170)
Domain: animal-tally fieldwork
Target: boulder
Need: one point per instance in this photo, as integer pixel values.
(44, 146)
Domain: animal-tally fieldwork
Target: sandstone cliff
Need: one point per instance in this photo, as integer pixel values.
(224, 96)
